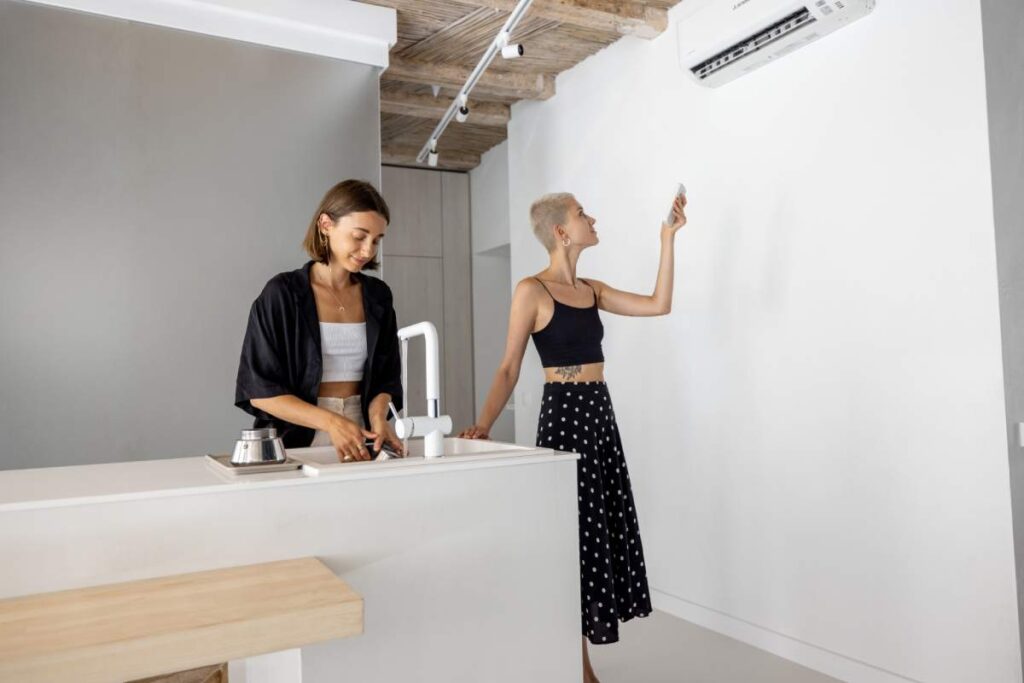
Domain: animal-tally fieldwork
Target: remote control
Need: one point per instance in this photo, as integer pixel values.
(680, 190)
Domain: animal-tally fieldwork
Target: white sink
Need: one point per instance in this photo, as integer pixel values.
(324, 460)
(453, 446)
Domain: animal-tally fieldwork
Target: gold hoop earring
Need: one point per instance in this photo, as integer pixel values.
(326, 244)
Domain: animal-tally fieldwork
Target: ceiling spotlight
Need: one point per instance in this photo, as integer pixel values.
(512, 51)
(432, 154)
(459, 108)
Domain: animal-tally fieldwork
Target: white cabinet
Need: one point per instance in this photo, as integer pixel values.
(427, 262)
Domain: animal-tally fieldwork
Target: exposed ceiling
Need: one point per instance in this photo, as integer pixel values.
(440, 42)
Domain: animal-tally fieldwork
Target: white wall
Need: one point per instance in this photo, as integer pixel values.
(488, 184)
(816, 433)
(492, 294)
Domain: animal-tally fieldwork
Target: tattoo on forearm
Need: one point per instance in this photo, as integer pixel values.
(569, 371)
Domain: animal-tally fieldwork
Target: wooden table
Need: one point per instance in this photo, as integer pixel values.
(143, 628)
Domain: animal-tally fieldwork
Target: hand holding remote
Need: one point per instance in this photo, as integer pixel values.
(676, 218)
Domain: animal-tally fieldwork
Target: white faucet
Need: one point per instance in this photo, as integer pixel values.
(434, 426)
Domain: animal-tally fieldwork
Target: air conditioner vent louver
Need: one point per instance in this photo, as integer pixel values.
(752, 44)
(721, 40)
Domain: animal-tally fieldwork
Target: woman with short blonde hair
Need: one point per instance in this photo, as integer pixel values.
(576, 411)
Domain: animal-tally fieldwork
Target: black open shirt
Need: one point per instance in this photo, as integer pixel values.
(281, 351)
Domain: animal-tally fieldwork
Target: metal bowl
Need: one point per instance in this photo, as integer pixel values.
(258, 446)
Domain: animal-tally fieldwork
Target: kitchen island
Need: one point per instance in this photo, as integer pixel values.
(467, 564)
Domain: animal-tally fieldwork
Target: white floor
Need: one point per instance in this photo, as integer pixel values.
(664, 649)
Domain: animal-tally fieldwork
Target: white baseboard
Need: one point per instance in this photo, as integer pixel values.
(806, 654)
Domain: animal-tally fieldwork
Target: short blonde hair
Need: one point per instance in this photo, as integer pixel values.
(546, 213)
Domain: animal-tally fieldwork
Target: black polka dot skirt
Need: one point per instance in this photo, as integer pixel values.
(579, 417)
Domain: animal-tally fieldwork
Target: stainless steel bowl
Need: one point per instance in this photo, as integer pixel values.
(258, 446)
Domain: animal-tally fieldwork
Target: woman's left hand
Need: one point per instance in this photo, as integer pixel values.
(385, 435)
(678, 216)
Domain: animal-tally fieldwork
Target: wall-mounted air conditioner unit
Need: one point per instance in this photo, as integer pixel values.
(724, 39)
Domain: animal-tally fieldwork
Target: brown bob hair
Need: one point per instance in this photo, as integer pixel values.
(348, 196)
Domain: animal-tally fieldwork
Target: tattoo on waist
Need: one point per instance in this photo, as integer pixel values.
(569, 371)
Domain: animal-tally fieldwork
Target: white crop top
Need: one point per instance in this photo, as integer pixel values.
(343, 346)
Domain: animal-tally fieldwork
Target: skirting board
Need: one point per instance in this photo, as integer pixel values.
(806, 654)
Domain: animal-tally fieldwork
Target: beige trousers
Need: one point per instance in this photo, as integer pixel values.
(351, 408)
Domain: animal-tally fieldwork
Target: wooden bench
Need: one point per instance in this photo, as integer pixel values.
(125, 631)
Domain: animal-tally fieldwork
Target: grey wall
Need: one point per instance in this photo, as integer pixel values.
(151, 181)
(1004, 69)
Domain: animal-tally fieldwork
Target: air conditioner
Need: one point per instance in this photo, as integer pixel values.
(721, 40)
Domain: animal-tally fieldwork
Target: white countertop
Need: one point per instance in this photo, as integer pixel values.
(48, 487)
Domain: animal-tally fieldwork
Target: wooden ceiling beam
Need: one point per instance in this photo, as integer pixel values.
(443, 38)
(447, 161)
(625, 17)
(522, 86)
(427, 107)
(392, 127)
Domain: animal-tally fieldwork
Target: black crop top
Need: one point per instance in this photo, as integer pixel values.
(572, 337)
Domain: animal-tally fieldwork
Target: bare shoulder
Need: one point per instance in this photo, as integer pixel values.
(598, 285)
(527, 300)
(529, 288)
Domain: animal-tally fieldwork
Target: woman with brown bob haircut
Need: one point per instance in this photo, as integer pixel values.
(320, 359)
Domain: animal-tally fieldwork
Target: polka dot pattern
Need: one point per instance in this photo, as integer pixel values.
(579, 417)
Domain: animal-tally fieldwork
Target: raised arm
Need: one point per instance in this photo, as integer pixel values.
(520, 323)
(660, 301)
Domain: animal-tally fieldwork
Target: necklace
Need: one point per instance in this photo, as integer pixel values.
(330, 286)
